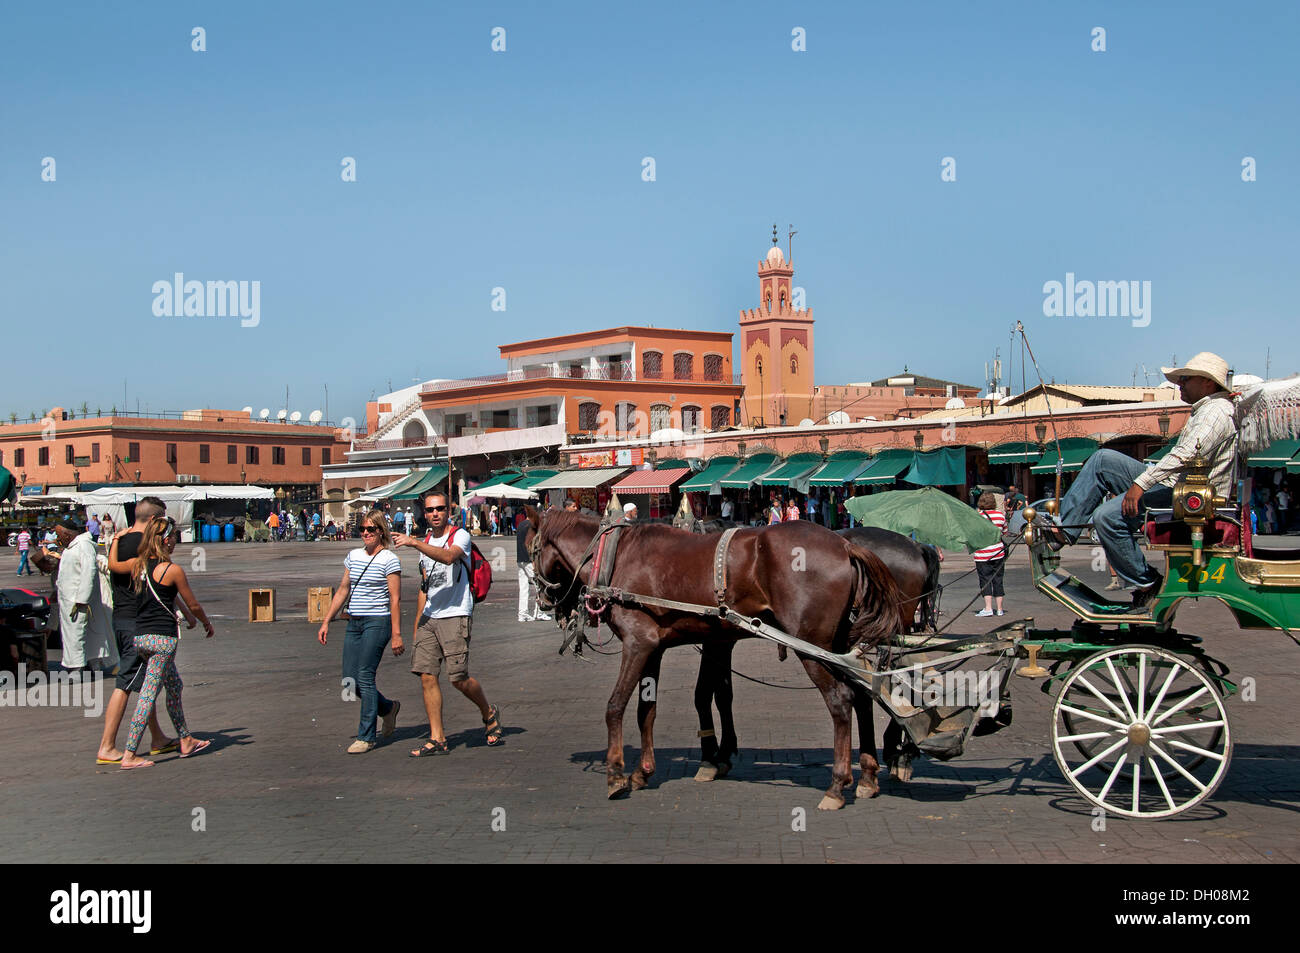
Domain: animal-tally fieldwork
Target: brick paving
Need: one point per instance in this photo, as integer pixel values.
(278, 787)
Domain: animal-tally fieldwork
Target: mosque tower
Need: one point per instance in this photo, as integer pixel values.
(776, 348)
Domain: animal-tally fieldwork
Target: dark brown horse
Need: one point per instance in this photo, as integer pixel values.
(799, 577)
(915, 570)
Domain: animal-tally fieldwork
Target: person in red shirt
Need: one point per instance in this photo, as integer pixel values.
(990, 562)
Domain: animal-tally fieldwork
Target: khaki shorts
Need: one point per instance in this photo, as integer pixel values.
(438, 639)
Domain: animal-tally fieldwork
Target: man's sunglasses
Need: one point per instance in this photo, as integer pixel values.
(434, 509)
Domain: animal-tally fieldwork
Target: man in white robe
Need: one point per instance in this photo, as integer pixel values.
(85, 613)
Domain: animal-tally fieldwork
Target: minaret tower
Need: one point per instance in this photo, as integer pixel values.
(776, 346)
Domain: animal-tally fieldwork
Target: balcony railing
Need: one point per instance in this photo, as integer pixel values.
(605, 371)
(398, 443)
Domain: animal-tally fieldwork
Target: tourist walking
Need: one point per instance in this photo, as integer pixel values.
(370, 594)
(990, 562)
(157, 582)
(445, 605)
(122, 551)
(24, 548)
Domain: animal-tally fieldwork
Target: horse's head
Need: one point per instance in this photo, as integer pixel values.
(553, 564)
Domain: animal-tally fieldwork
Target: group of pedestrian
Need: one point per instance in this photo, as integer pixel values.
(1271, 509)
(370, 597)
(782, 511)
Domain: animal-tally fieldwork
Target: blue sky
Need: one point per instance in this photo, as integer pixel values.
(522, 169)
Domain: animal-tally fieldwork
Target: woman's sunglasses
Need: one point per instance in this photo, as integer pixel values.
(369, 529)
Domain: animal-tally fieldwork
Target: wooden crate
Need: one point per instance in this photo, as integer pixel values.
(261, 605)
(318, 602)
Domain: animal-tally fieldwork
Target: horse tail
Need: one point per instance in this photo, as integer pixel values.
(875, 598)
(930, 598)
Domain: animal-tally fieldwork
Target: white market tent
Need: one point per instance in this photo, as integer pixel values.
(179, 500)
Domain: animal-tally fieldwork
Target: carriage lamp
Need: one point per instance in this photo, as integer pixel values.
(740, 449)
(1163, 421)
(1040, 431)
(1194, 504)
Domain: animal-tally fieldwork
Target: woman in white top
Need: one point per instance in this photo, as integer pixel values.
(371, 595)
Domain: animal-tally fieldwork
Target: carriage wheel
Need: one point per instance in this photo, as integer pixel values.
(1126, 715)
(1088, 744)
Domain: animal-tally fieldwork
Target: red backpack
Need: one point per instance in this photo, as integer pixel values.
(480, 575)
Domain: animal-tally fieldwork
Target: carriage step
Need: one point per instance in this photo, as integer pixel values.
(1090, 605)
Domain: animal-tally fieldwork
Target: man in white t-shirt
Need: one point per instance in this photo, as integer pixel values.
(444, 609)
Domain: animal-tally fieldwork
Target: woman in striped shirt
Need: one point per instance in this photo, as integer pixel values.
(370, 594)
(991, 560)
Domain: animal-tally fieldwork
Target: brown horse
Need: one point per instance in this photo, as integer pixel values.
(798, 576)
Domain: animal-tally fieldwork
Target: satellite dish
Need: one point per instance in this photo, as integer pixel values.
(248, 410)
(807, 421)
(954, 403)
(281, 414)
(295, 416)
(315, 416)
(264, 413)
(838, 417)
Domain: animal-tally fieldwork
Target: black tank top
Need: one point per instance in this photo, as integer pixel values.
(123, 588)
(155, 616)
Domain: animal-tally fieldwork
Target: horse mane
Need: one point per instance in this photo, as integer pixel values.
(875, 598)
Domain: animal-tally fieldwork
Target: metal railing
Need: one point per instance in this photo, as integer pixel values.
(604, 371)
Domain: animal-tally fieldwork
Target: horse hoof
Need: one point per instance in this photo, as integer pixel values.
(639, 781)
(901, 770)
(868, 790)
(829, 803)
(619, 787)
(724, 769)
(707, 772)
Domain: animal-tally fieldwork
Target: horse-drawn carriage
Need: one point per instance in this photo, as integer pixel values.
(1139, 725)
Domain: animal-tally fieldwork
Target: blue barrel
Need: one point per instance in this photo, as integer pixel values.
(204, 532)
(209, 532)
(228, 532)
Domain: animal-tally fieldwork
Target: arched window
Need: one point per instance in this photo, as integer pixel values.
(758, 366)
(660, 417)
(713, 367)
(652, 365)
(625, 417)
(794, 364)
(588, 415)
(683, 366)
(690, 419)
(720, 417)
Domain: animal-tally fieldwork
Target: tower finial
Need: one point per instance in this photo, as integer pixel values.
(774, 238)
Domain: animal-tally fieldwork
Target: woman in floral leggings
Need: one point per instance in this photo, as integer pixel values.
(158, 581)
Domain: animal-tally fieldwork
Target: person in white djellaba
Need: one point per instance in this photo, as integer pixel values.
(85, 608)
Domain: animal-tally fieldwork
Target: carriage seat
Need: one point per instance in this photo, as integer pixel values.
(1163, 530)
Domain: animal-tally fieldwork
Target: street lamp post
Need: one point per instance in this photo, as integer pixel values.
(1163, 421)
(825, 444)
(918, 438)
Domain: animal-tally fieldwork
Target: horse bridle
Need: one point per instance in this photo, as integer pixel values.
(545, 587)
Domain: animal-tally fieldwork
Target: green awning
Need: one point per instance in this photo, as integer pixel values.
(533, 478)
(1017, 451)
(945, 466)
(841, 468)
(706, 480)
(1157, 454)
(429, 481)
(496, 479)
(1075, 452)
(1279, 454)
(744, 475)
(672, 464)
(885, 467)
(389, 492)
(796, 467)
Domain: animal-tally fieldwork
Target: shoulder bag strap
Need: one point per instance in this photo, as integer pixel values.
(352, 586)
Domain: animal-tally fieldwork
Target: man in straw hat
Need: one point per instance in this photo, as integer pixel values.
(1210, 431)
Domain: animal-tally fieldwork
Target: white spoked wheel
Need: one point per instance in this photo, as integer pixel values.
(1140, 732)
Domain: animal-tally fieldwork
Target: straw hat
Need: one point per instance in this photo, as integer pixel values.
(1205, 364)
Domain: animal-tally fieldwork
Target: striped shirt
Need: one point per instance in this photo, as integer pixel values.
(368, 593)
(1212, 426)
(997, 550)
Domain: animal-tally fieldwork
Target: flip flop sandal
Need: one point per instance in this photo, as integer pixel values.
(136, 764)
(430, 749)
(166, 749)
(495, 735)
(117, 760)
(198, 746)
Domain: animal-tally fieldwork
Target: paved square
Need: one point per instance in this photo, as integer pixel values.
(277, 785)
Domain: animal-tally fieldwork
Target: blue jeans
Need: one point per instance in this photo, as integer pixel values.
(363, 647)
(1109, 471)
(22, 563)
